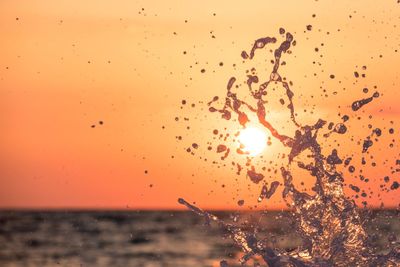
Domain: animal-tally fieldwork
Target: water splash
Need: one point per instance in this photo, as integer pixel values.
(328, 222)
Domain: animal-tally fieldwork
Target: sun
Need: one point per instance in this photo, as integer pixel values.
(252, 140)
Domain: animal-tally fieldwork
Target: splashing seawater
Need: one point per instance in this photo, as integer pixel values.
(328, 222)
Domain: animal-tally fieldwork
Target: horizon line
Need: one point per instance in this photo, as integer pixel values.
(147, 209)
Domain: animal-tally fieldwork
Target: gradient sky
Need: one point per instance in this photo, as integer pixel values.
(67, 65)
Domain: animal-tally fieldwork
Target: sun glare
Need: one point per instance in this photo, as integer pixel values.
(252, 140)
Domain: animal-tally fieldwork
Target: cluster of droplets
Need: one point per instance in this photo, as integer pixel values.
(328, 222)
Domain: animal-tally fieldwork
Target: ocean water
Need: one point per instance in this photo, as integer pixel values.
(149, 238)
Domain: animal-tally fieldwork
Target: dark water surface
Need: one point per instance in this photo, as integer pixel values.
(145, 238)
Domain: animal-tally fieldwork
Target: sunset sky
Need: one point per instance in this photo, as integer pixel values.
(91, 97)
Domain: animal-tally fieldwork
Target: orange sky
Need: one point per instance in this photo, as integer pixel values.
(66, 65)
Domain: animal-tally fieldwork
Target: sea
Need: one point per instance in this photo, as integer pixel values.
(151, 238)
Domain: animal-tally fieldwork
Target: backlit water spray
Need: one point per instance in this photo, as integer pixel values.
(328, 222)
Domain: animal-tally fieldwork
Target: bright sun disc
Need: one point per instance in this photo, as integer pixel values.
(253, 140)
